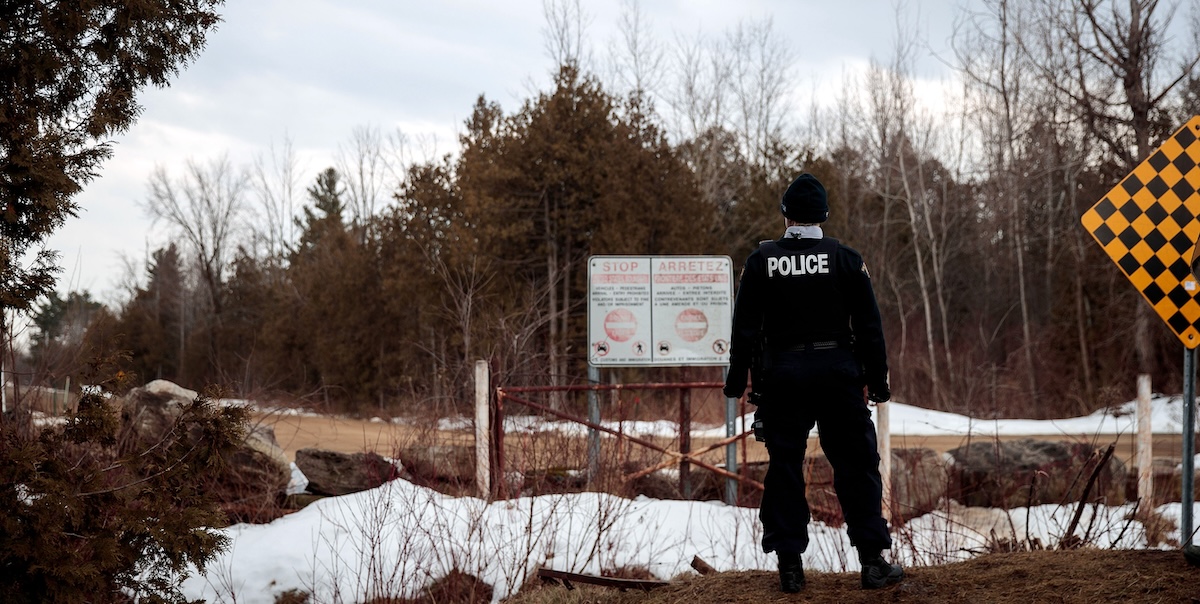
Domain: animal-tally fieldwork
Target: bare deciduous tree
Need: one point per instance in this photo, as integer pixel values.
(203, 206)
(1116, 82)
(760, 69)
(637, 60)
(997, 75)
(275, 179)
(365, 166)
(565, 33)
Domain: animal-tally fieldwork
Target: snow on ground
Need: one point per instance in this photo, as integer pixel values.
(1166, 417)
(400, 537)
(397, 538)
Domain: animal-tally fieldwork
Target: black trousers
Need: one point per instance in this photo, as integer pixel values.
(824, 388)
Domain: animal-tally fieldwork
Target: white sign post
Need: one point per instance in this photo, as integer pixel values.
(665, 311)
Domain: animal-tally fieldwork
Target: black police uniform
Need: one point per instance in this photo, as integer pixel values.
(808, 308)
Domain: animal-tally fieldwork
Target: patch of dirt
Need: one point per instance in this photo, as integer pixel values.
(1067, 577)
(348, 435)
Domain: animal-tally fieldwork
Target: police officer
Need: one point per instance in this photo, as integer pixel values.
(807, 327)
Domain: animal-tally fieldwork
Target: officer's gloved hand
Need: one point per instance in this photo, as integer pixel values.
(734, 387)
(879, 393)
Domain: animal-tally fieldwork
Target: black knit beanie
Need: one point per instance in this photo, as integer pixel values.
(805, 201)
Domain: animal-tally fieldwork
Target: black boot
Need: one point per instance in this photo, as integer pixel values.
(791, 572)
(877, 572)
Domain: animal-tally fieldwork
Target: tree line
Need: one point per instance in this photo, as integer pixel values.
(378, 284)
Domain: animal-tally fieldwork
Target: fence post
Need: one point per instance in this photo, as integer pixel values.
(483, 471)
(685, 441)
(1145, 444)
(731, 485)
(883, 432)
(594, 417)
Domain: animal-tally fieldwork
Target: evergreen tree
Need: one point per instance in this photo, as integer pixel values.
(69, 74)
(336, 304)
(56, 345)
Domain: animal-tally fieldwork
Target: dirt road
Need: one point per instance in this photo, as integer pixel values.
(353, 435)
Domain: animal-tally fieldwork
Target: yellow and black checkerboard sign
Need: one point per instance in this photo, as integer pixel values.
(1147, 224)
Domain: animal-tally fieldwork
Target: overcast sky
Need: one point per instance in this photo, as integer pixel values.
(313, 70)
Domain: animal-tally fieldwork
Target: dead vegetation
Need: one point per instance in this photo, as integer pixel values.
(1077, 576)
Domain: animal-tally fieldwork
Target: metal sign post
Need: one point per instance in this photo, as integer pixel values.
(1189, 444)
(594, 417)
(1148, 226)
(731, 485)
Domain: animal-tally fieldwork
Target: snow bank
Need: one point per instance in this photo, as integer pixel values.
(399, 537)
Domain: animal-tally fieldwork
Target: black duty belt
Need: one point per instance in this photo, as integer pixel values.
(811, 346)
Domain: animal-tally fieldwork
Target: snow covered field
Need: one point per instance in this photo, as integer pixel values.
(906, 420)
(400, 537)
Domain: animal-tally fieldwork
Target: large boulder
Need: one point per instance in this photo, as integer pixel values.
(710, 486)
(258, 472)
(172, 389)
(441, 466)
(332, 473)
(1017, 473)
(150, 414)
(656, 485)
(818, 490)
(920, 479)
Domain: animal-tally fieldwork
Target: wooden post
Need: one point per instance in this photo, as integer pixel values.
(883, 433)
(3, 384)
(483, 471)
(685, 440)
(1145, 443)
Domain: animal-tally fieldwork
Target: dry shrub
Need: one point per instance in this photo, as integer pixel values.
(1084, 576)
(293, 596)
(1158, 527)
(456, 587)
(628, 572)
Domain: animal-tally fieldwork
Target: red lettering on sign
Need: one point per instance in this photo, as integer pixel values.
(620, 266)
(690, 266)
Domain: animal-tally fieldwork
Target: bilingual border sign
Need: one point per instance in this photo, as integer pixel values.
(664, 311)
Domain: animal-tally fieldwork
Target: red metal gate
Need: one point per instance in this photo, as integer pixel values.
(684, 456)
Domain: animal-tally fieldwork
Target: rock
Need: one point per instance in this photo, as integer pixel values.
(172, 389)
(261, 439)
(151, 414)
(748, 495)
(920, 478)
(453, 464)
(656, 485)
(818, 489)
(1011, 474)
(333, 473)
(258, 472)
